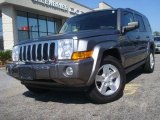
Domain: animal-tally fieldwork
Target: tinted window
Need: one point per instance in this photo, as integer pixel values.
(58, 25)
(33, 22)
(42, 34)
(23, 35)
(0, 24)
(33, 25)
(51, 25)
(157, 38)
(33, 34)
(95, 20)
(127, 18)
(147, 25)
(23, 27)
(141, 23)
(42, 24)
(22, 20)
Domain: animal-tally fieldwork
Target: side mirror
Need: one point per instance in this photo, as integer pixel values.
(131, 26)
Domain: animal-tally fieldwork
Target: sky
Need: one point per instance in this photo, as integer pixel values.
(150, 8)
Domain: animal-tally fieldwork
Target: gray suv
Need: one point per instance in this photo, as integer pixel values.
(93, 52)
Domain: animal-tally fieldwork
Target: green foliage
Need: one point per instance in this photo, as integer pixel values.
(5, 56)
(156, 33)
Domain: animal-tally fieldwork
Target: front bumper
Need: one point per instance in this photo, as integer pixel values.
(52, 73)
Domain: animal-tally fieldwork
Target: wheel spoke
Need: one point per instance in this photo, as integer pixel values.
(103, 88)
(99, 78)
(112, 87)
(115, 74)
(106, 70)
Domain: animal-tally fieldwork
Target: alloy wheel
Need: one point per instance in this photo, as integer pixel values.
(107, 80)
(152, 62)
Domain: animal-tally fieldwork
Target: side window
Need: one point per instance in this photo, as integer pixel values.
(141, 23)
(127, 17)
(147, 25)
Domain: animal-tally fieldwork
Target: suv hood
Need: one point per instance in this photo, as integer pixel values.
(79, 35)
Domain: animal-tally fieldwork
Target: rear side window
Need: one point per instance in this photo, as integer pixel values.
(157, 39)
(127, 18)
(147, 25)
(141, 23)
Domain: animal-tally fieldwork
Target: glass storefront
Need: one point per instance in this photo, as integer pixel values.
(33, 25)
(1, 34)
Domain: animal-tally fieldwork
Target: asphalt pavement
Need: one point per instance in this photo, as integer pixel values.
(141, 101)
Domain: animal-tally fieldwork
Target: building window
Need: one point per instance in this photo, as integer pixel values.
(0, 23)
(51, 25)
(42, 26)
(1, 33)
(58, 25)
(32, 26)
(22, 26)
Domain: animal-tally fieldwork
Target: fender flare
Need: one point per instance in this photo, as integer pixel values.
(98, 51)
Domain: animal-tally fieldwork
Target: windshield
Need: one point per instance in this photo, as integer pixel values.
(157, 39)
(95, 20)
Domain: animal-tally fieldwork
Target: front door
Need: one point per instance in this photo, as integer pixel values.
(129, 41)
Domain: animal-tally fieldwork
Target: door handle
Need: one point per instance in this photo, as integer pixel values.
(138, 37)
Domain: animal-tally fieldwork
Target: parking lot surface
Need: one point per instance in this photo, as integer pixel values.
(141, 101)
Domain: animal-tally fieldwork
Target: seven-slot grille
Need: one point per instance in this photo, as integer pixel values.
(43, 51)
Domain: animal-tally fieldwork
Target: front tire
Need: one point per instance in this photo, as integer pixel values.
(109, 82)
(150, 63)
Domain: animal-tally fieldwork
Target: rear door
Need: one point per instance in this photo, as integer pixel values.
(142, 38)
(148, 35)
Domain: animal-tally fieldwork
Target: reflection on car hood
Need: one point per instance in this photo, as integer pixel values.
(79, 35)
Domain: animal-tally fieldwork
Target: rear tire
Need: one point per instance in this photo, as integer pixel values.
(36, 90)
(150, 63)
(112, 80)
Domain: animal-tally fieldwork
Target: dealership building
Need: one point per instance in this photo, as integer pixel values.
(29, 19)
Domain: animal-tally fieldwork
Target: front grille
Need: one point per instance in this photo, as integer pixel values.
(35, 52)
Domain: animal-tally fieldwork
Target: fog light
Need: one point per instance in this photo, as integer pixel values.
(69, 71)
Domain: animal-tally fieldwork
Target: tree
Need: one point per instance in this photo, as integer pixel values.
(156, 33)
(4, 56)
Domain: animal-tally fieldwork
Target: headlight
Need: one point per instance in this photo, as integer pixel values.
(15, 53)
(65, 49)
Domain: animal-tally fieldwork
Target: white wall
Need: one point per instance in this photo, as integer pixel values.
(9, 26)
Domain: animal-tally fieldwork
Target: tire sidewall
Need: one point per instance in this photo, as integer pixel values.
(113, 61)
(152, 69)
(147, 67)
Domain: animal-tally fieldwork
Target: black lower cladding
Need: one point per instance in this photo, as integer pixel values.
(42, 73)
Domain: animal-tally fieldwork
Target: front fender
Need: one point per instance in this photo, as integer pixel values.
(97, 57)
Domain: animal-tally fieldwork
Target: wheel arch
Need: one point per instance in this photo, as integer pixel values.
(152, 47)
(100, 51)
(114, 52)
